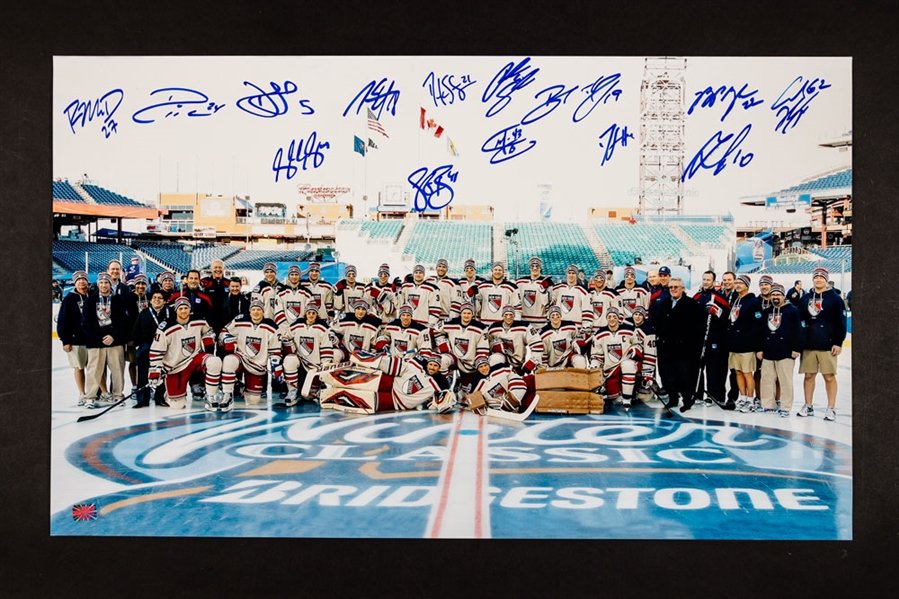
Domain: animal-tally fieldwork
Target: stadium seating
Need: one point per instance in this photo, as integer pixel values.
(66, 193)
(455, 241)
(648, 241)
(256, 259)
(103, 196)
(832, 181)
(70, 255)
(203, 255)
(557, 244)
(170, 254)
(385, 230)
(705, 233)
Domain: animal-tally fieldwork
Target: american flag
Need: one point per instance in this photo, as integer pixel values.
(374, 124)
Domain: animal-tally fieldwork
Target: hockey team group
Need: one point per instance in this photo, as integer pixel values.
(437, 342)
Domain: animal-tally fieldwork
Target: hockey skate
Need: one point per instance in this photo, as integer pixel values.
(292, 398)
(226, 402)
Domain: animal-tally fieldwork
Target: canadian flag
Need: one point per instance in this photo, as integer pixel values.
(429, 124)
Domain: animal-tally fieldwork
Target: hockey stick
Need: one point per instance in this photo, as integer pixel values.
(705, 340)
(513, 415)
(121, 401)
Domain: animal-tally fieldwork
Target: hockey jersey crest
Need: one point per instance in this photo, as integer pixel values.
(529, 297)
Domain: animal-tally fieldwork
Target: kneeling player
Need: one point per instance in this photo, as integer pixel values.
(311, 346)
(556, 345)
(616, 351)
(387, 384)
(502, 389)
(253, 339)
(183, 345)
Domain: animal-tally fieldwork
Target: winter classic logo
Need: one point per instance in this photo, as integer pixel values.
(283, 474)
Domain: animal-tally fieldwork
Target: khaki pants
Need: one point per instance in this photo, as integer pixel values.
(98, 359)
(773, 371)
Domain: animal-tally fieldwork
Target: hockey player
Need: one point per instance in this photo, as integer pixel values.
(557, 344)
(573, 300)
(470, 280)
(680, 324)
(390, 384)
(645, 333)
(509, 340)
(448, 289)
(825, 320)
(356, 331)
(320, 290)
(784, 336)
(403, 336)
(461, 341)
(70, 330)
(422, 296)
(347, 291)
(143, 334)
(502, 388)
(631, 295)
(535, 293)
(292, 300)
(104, 323)
(311, 347)
(267, 290)
(601, 299)
(617, 351)
(381, 295)
(183, 345)
(494, 294)
(715, 357)
(251, 343)
(745, 334)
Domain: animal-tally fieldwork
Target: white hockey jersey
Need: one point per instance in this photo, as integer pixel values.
(493, 296)
(574, 302)
(536, 298)
(175, 345)
(252, 343)
(312, 342)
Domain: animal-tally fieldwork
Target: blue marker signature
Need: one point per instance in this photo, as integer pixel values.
(507, 144)
(793, 107)
(374, 93)
(445, 90)
(178, 98)
(708, 97)
(557, 96)
(508, 80)
(428, 186)
(300, 153)
(612, 137)
(599, 91)
(271, 104)
(710, 157)
(104, 107)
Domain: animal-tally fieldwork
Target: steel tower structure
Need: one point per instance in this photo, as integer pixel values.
(662, 97)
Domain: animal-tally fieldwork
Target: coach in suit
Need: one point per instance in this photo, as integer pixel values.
(680, 325)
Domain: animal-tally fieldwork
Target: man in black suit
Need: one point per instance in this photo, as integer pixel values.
(680, 326)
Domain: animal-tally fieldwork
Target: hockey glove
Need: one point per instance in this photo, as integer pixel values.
(155, 377)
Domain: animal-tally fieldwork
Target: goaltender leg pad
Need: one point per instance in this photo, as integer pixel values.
(570, 402)
(475, 402)
(578, 379)
(354, 401)
(358, 378)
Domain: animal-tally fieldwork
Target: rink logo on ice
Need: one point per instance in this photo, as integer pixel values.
(709, 477)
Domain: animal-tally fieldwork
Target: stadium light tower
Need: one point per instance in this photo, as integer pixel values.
(662, 96)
